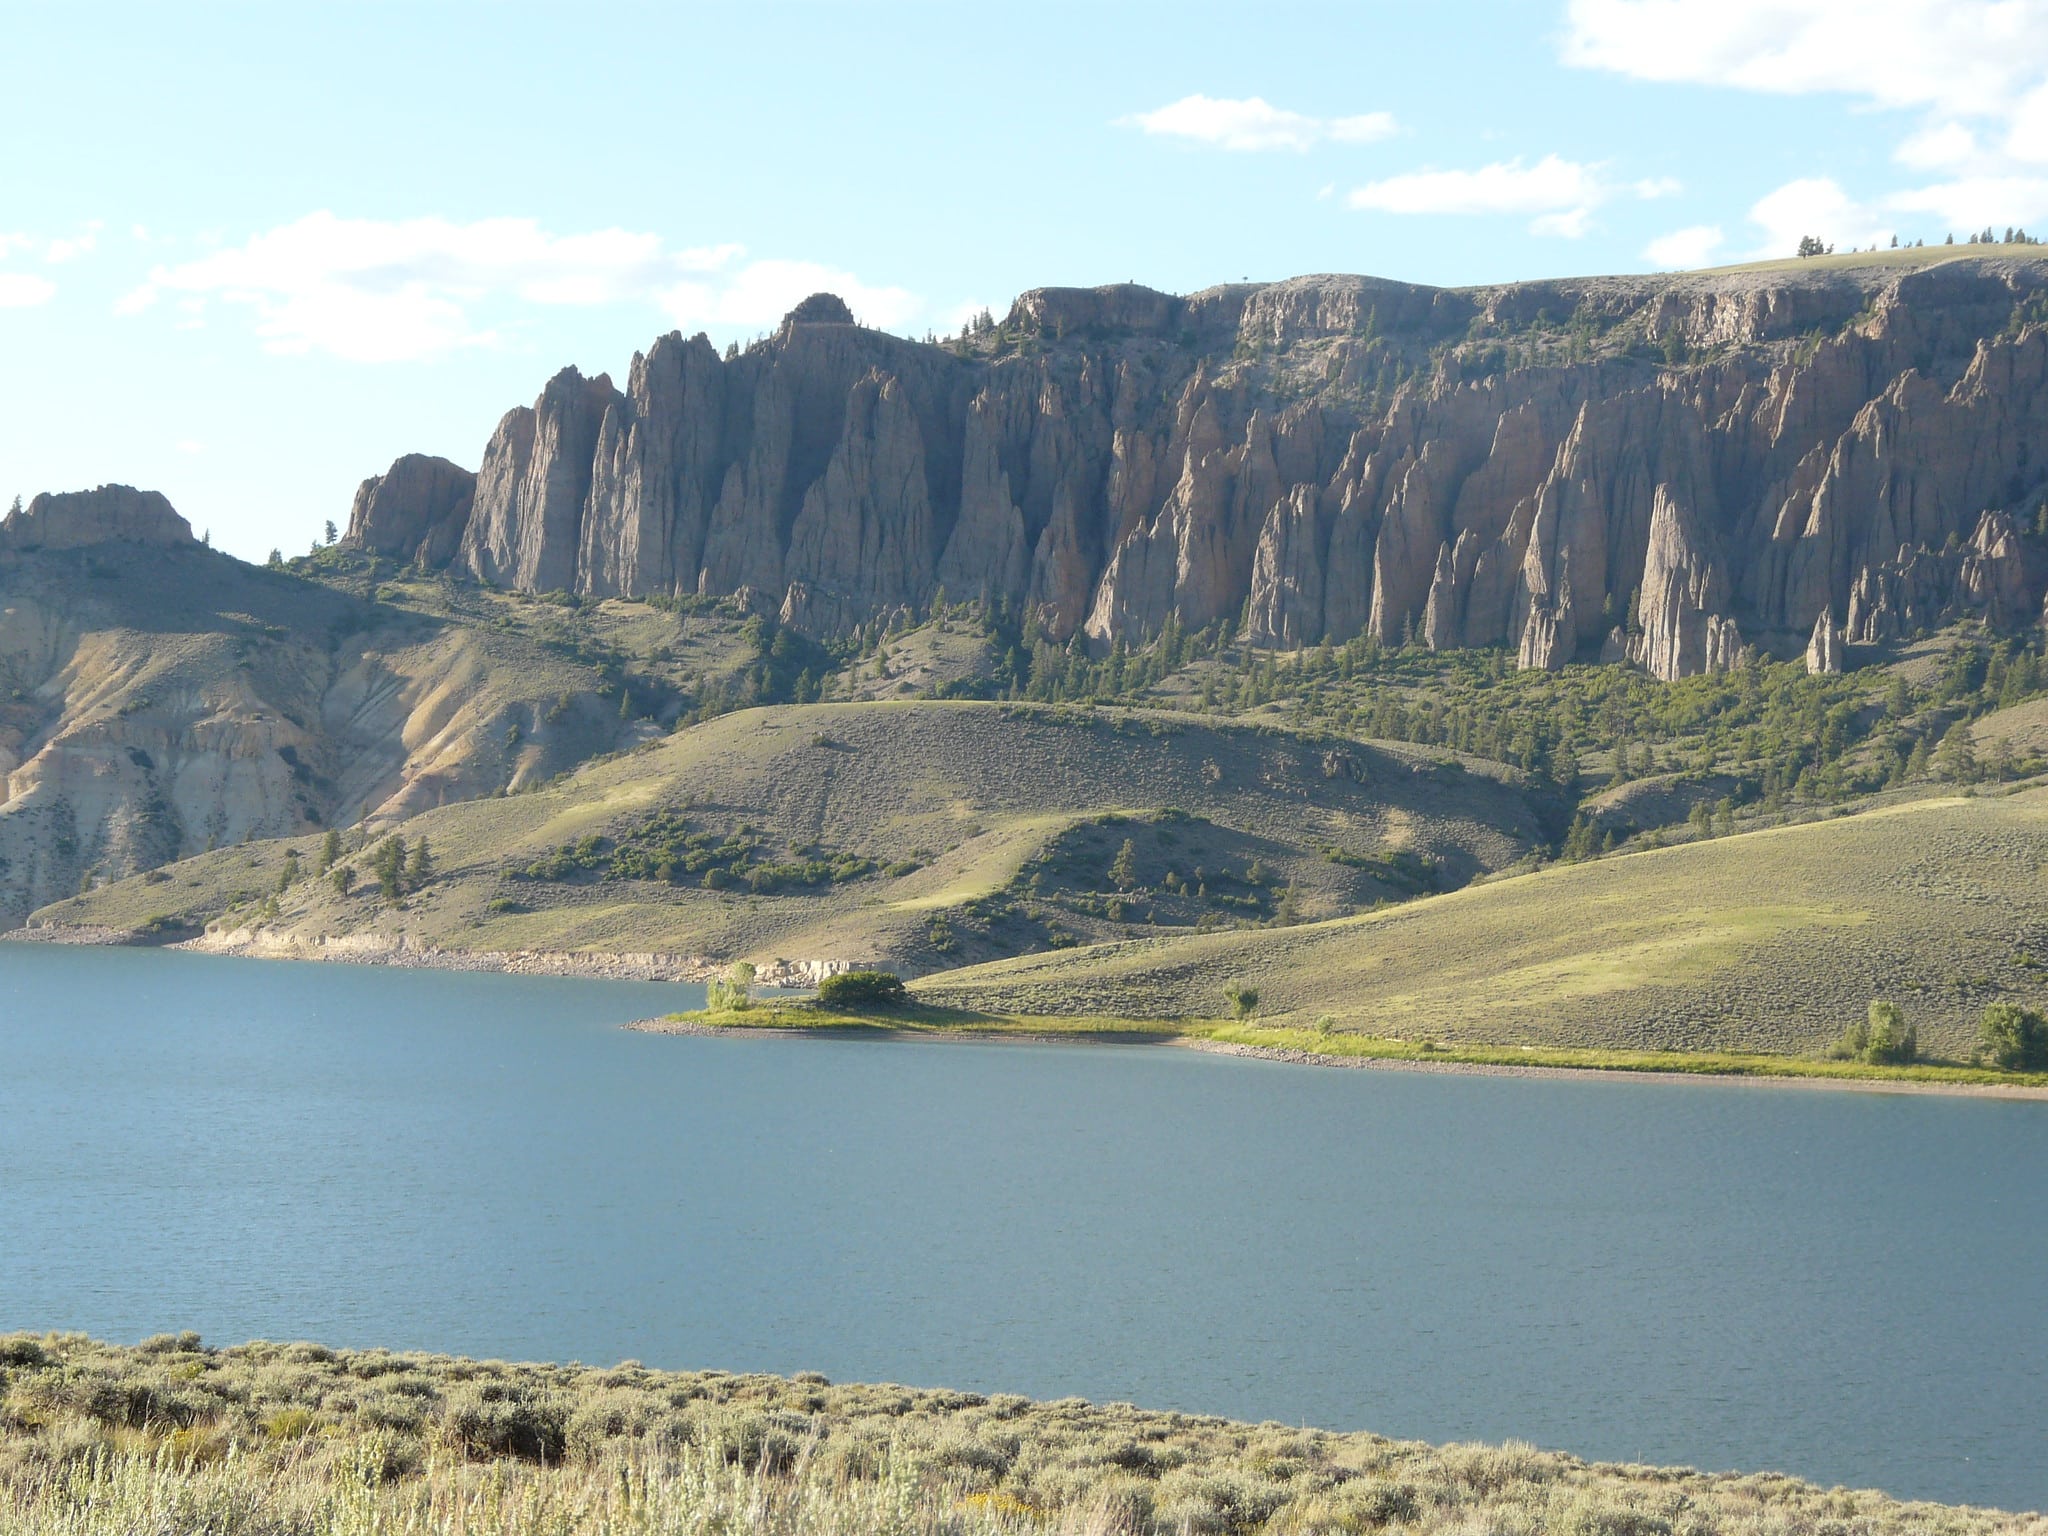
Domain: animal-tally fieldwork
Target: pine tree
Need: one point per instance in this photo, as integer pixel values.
(330, 850)
(1123, 869)
(419, 866)
(388, 864)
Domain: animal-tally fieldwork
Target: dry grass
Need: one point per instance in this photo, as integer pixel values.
(967, 792)
(268, 1439)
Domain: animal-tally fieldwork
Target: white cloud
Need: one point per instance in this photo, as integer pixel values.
(59, 251)
(1938, 146)
(1817, 206)
(1252, 123)
(24, 290)
(189, 445)
(1693, 246)
(1969, 203)
(1961, 58)
(1560, 194)
(762, 292)
(373, 290)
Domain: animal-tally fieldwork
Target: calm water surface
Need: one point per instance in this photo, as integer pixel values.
(1843, 1286)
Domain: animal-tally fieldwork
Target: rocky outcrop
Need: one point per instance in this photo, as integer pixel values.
(416, 510)
(1677, 470)
(110, 514)
(1824, 650)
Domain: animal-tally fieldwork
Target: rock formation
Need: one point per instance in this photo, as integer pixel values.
(416, 510)
(1824, 650)
(110, 514)
(1675, 470)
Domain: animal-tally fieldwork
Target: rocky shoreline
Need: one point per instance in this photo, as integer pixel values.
(400, 953)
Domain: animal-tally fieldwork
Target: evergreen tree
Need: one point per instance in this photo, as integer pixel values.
(388, 865)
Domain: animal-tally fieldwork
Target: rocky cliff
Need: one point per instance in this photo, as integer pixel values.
(1673, 470)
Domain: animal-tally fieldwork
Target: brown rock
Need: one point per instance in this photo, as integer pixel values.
(416, 510)
(76, 519)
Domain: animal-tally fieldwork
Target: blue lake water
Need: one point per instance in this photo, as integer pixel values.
(1842, 1286)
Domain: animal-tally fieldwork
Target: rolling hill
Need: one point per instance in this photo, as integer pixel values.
(1770, 941)
(926, 834)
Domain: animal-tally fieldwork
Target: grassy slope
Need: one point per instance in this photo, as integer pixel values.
(1765, 942)
(269, 1437)
(971, 792)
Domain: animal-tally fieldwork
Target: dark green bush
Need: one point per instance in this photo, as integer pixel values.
(852, 988)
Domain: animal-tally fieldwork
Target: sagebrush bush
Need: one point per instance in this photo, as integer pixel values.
(299, 1441)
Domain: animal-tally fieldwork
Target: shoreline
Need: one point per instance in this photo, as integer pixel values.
(399, 953)
(1293, 1057)
(694, 970)
(1290, 1056)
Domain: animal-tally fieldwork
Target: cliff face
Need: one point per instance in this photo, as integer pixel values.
(1667, 469)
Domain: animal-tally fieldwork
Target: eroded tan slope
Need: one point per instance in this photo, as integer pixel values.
(159, 700)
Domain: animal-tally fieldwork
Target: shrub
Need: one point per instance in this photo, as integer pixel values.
(1242, 999)
(2015, 1038)
(852, 988)
(493, 1420)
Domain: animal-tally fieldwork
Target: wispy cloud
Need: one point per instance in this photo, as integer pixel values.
(1252, 123)
(1959, 57)
(762, 292)
(373, 290)
(24, 290)
(1975, 70)
(1561, 194)
(1693, 246)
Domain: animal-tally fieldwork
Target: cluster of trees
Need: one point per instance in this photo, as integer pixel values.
(1883, 1038)
(856, 989)
(1812, 245)
(399, 870)
(2012, 1037)
(734, 991)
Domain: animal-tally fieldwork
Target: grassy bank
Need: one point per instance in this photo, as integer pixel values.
(1331, 1045)
(174, 1438)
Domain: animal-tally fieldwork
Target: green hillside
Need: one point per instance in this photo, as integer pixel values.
(1768, 941)
(929, 834)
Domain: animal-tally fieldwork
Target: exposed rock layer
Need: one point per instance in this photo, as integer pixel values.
(1668, 469)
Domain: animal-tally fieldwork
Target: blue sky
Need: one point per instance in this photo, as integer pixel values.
(249, 254)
